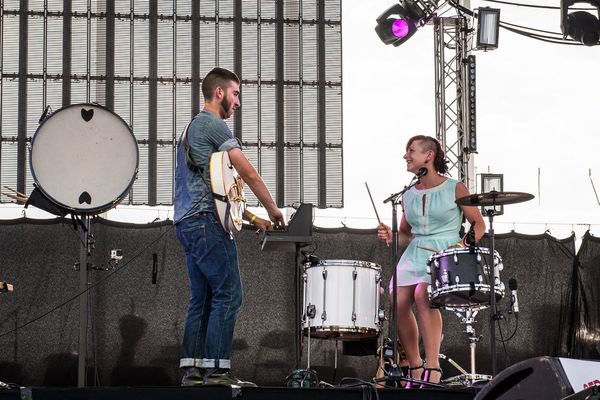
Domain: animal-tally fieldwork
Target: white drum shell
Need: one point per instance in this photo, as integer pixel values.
(345, 306)
(70, 156)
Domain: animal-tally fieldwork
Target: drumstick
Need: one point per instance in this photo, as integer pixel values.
(428, 249)
(14, 191)
(376, 213)
(19, 197)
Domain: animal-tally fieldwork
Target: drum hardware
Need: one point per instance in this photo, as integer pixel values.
(493, 199)
(459, 278)
(467, 317)
(341, 319)
(306, 377)
(84, 160)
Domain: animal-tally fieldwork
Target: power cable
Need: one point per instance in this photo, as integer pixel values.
(510, 3)
(90, 287)
(511, 27)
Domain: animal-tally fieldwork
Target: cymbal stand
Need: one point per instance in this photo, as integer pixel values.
(467, 317)
(494, 279)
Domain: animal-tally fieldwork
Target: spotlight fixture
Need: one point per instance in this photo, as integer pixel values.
(488, 27)
(582, 26)
(492, 182)
(399, 22)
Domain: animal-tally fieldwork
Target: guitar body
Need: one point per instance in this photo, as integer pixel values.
(227, 187)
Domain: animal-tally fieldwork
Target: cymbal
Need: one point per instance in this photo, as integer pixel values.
(494, 198)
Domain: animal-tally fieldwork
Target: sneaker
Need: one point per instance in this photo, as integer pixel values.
(225, 378)
(193, 376)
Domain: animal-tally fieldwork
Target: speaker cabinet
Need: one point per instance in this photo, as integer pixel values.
(536, 378)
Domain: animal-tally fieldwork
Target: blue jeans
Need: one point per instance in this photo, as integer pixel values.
(216, 288)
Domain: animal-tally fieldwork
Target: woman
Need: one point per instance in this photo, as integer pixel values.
(430, 220)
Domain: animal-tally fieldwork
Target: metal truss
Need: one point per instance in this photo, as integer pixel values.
(451, 112)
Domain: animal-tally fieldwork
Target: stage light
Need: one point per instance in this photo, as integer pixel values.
(488, 27)
(396, 25)
(492, 182)
(582, 26)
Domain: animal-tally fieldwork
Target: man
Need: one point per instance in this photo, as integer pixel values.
(211, 252)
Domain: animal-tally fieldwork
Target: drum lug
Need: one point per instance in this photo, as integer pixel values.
(428, 269)
(305, 277)
(354, 275)
(498, 263)
(324, 274)
(437, 284)
(455, 259)
(436, 263)
(479, 278)
(457, 279)
(445, 277)
(478, 258)
(353, 317)
(381, 315)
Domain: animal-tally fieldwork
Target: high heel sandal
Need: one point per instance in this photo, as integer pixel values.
(409, 384)
(427, 376)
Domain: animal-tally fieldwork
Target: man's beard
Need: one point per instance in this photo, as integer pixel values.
(225, 106)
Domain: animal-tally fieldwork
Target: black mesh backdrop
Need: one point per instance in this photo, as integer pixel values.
(138, 324)
(541, 265)
(583, 334)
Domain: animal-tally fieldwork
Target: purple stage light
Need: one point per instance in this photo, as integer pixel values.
(400, 28)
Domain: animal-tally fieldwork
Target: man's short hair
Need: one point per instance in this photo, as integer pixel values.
(215, 78)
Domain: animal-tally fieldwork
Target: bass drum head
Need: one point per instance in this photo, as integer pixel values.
(84, 158)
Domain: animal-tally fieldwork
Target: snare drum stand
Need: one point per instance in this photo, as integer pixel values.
(467, 317)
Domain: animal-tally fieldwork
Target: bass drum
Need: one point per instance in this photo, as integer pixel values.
(84, 158)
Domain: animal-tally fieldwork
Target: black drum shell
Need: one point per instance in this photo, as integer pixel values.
(470, 268)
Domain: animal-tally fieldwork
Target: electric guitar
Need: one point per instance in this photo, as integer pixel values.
(228, 190)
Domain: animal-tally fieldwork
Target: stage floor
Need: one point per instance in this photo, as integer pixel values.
(224, 393)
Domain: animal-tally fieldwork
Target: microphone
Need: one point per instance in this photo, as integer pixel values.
(421, 172)
(512, 285)
(154, 267)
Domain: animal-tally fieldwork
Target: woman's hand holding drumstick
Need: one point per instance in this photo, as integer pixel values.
(384, 232)
(381, 227)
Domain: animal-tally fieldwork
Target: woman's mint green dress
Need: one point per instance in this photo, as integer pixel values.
(435, 220)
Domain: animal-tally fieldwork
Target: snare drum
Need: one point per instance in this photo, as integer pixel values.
(460, 277)
(84, 158)
(341, 299)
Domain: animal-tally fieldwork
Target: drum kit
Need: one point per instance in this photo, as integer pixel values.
(341, 297)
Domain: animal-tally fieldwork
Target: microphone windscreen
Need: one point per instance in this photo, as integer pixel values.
(512, 284)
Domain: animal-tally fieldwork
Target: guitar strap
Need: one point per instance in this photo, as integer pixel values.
(199, 170)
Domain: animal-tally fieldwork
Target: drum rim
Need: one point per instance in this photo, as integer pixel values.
(498, 290)
(343, 263)
(101, 208)
(342, 329)
(463, 250)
